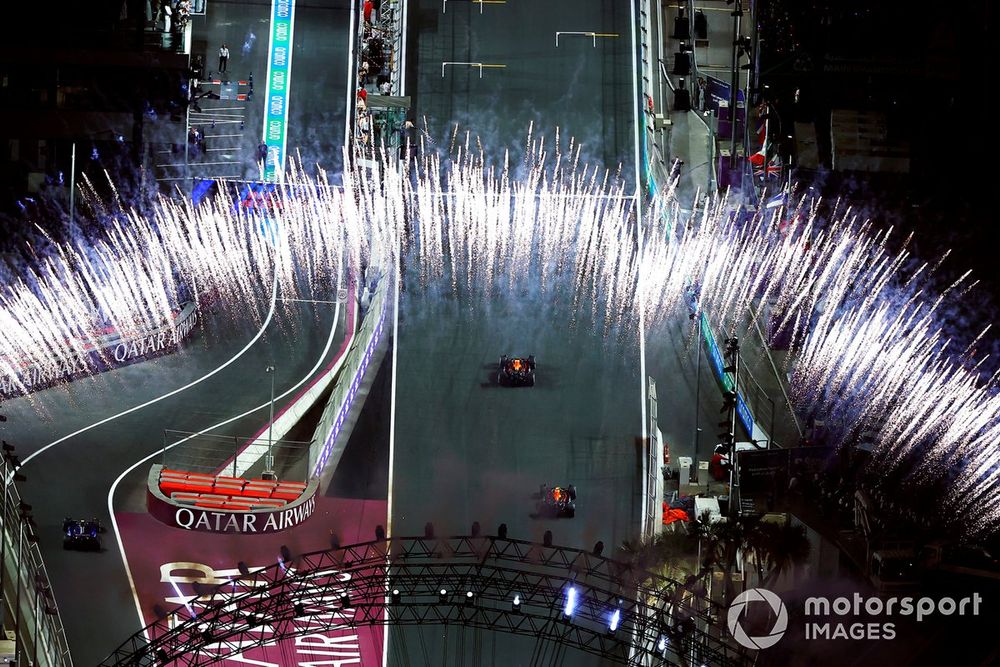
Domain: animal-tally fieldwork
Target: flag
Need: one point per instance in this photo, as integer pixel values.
(763, 133)
(773, 169)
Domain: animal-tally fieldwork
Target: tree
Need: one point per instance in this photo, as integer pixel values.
(669, 554)
(725, 541)
(787, 547)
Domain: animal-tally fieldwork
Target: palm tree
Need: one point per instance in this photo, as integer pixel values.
(758, 546)
(726, 541)
(669, 554)
(775, 548)
(787, 548)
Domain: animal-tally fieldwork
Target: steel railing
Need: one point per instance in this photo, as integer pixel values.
(26, 596)
(350, 376)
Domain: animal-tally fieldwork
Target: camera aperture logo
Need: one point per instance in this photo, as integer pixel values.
(738, 609)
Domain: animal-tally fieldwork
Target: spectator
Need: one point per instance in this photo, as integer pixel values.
(363, 96)
(386, 88)
(223, 58)
(369, 7)
(182, 14)
(407, 139)
(375, 54)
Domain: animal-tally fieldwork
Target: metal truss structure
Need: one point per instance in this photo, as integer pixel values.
(628, 616)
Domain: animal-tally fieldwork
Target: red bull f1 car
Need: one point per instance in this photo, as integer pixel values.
(516, 371)
(557, 502)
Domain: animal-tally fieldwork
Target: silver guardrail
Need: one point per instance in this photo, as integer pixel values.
(394, 13)
(350, 376)
(26, 599)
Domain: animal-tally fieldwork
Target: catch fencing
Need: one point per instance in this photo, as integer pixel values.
(26, 599)
(349, 379)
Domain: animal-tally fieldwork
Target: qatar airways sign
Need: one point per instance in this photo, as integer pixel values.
(112, 353)
(169, 569)
(327, 635)
(221, 521)
(153, 343)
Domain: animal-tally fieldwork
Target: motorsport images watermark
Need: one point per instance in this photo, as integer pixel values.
(821, 615)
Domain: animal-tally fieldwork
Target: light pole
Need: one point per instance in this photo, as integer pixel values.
(732, 355)
(4, 524)
(269, 462)
(737, 15)
(697, 395)
(72, 184)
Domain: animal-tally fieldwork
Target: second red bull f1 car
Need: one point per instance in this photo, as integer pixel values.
(556, 502)
(516, 371)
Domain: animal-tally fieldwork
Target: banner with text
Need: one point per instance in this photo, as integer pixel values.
(168, 564)
(279, 76)
(715, 359)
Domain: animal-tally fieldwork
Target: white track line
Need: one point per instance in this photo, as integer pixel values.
(260, 332)
(639, 189)
(392, 436)
(403, 7)
(251, 343)
(114, 487)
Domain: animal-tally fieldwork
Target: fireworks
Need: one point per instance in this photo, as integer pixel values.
(560, 229)
(868, 353)
(867, 346)
(137, 276)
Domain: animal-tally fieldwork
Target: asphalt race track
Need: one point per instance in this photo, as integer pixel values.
(465, 449)
(579, 89)
(73, 477)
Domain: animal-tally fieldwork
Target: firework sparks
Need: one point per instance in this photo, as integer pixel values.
(867, 344)
(135, 278)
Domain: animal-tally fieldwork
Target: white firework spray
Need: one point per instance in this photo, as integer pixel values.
(867, 346)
